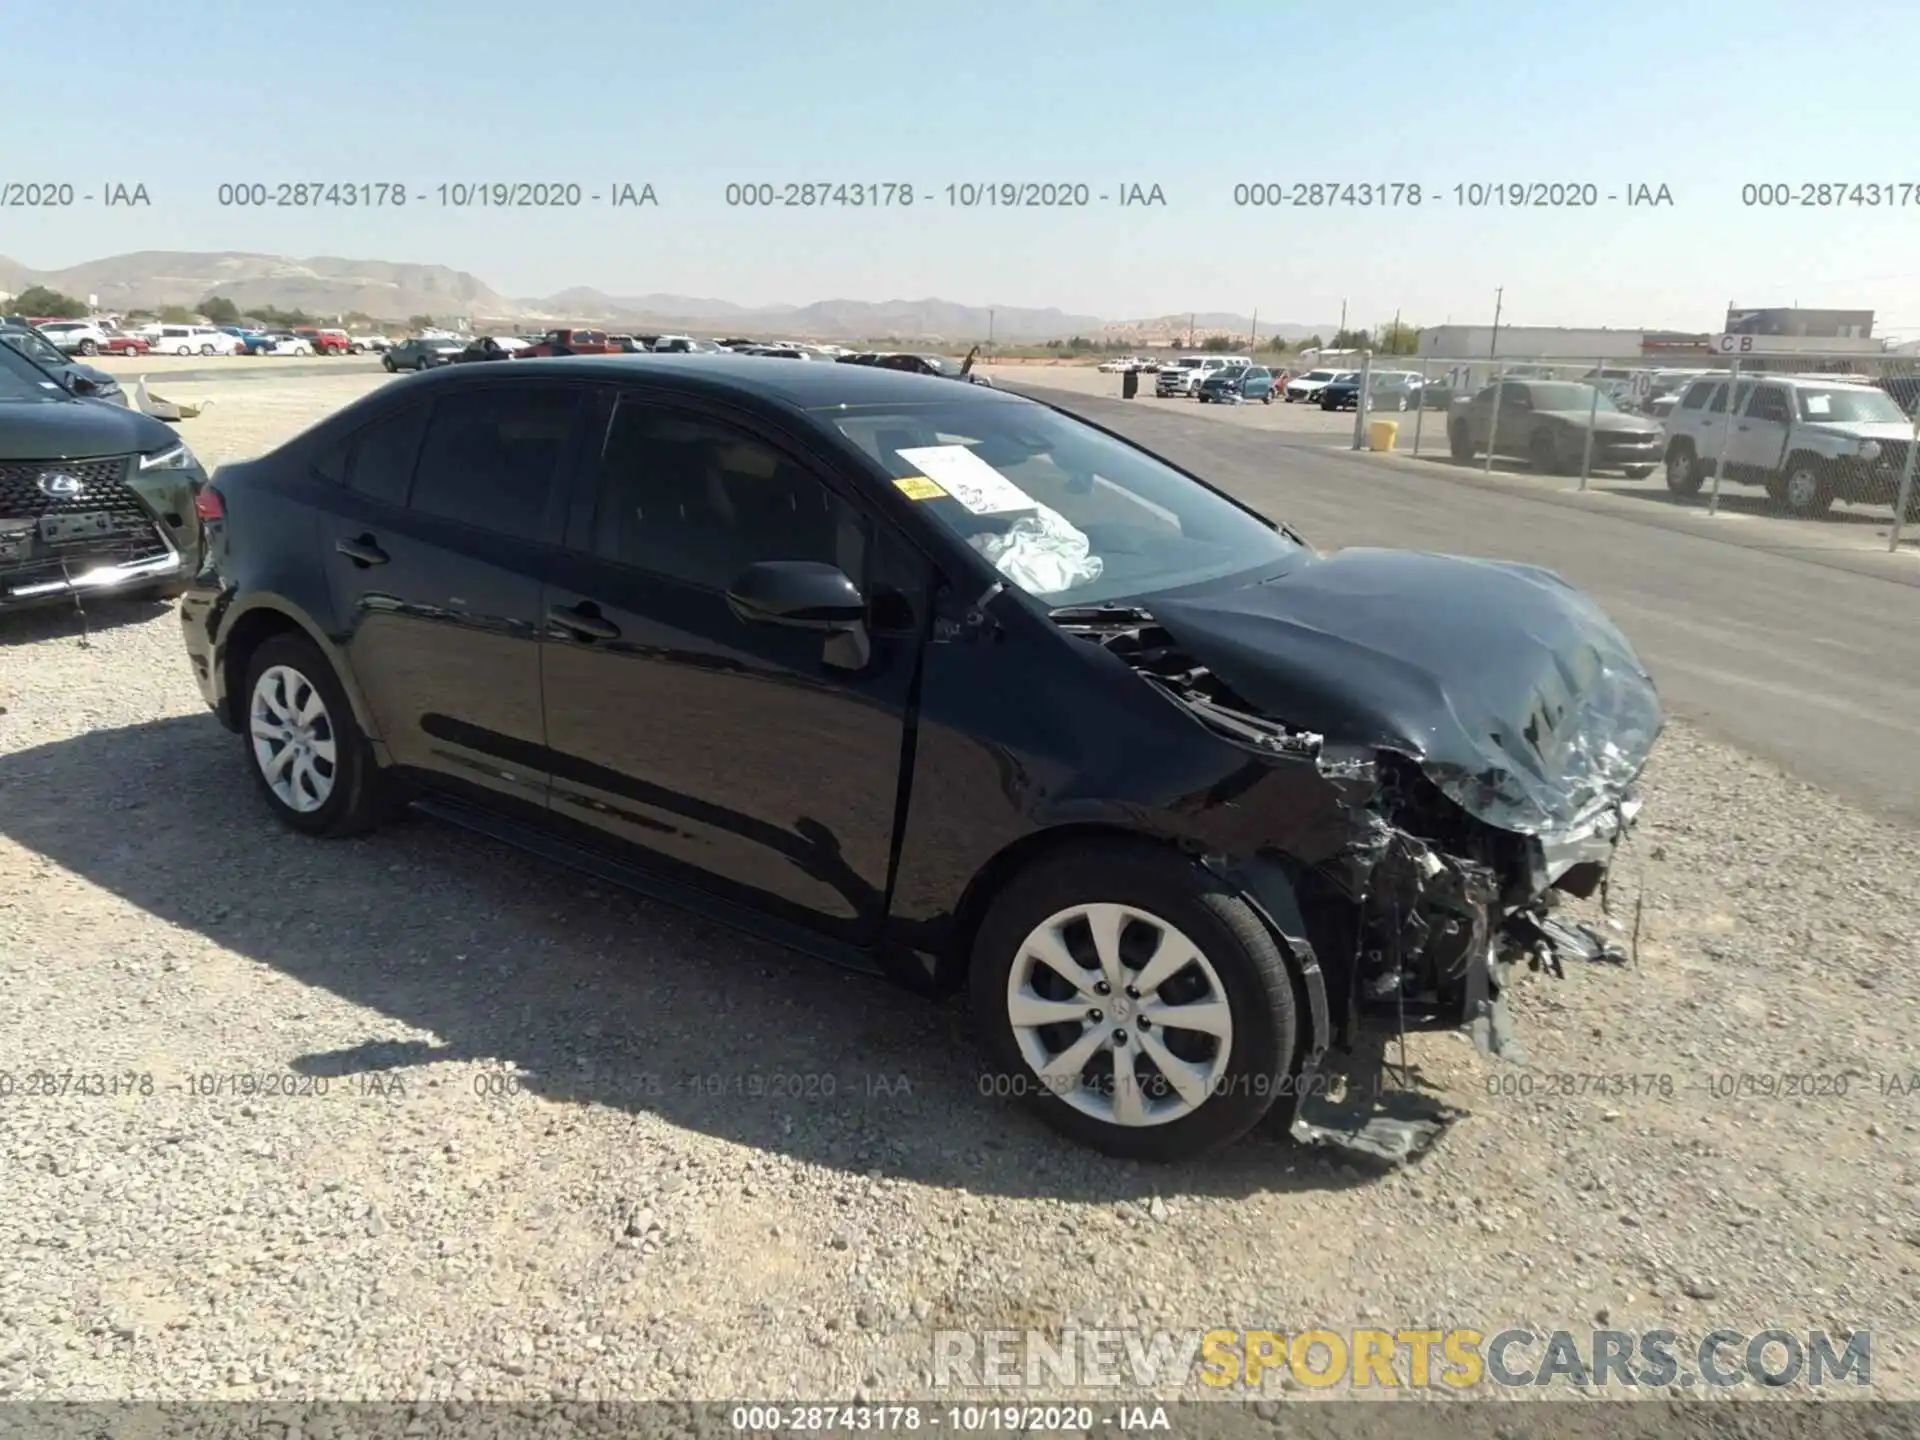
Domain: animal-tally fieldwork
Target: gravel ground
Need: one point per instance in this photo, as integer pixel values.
(530, 1138)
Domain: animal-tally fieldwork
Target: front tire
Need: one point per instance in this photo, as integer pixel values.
(1458, 444)
(305, 750)
(1134, 1001)
(1638, 472)
(1803, 489)
(89, 349)
(1684, 475)
(389, 366)
(206, 349)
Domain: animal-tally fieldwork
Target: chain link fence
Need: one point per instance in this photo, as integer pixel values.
(1808, 429)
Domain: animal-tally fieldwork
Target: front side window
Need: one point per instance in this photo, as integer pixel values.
(1060, 509)
(1770, 403)
(697, 500)
(491, 455)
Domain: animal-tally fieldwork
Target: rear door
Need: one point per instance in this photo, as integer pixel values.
(761, 764)
(438, 563)
(1713, 435)
(1760, 430)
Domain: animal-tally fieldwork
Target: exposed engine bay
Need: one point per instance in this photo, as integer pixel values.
(1432, 909)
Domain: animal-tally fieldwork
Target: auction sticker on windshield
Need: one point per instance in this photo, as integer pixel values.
(968, 479)
(919, 487)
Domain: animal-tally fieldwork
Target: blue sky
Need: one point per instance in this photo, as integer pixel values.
(1193, 96)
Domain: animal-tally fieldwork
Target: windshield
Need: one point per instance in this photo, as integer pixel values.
(35, 348)
(1063, 511)
(1319, 375)
(22, 382)
(1851, 407)
(1566, 395)
(941, 364)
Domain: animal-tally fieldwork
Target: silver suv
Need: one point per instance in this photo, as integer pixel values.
(1810, 441)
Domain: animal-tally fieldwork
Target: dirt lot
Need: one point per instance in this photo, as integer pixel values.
(528, 1138)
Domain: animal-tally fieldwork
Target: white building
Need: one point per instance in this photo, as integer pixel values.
(1529, 342)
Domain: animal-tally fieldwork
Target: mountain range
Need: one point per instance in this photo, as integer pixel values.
(325, 286)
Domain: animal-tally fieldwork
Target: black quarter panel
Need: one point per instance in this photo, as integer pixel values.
(277, 573)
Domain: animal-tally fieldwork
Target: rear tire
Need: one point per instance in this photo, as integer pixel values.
(1638, 472)
(88, 348)
(330, 785)
(1235, 978)
(1458, 444)
(390, 367)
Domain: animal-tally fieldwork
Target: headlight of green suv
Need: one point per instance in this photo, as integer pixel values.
(1869, 450)
(178, 457)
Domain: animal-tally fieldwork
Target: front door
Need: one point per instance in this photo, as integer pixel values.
(761, 764)
(453, 509)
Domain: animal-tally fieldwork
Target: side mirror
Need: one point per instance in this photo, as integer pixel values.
(798, 595)
(84, 385)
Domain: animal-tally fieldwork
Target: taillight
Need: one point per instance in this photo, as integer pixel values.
(208, 505)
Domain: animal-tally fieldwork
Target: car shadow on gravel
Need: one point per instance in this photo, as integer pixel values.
(45, 623)
(548, 985)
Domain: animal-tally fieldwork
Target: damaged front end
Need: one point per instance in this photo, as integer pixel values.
(1446, 887)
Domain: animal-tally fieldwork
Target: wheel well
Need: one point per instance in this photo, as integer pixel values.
(999, 872)
(250, 632)
(1679, 445)
(1806, 457)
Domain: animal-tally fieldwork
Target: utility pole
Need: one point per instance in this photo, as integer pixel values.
(1192, 324)
(1493, 345)
(1256, 331)
(1393, 347)
(989, 329)
(1343, 319)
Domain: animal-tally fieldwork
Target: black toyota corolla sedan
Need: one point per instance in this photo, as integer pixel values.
(944, 683)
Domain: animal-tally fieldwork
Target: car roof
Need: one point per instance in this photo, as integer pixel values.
(744, 377)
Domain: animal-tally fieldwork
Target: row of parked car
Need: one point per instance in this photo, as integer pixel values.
(1808, 440)
(429, 351)
(88, 338)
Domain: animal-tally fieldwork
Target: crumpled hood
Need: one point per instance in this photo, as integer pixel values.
(1516, 694)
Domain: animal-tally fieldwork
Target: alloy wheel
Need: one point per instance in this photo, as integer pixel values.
(293, 738)
(1120, 1015)
(1803, 489)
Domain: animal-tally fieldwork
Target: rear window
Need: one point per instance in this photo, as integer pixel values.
(491, 454)
(381, 460)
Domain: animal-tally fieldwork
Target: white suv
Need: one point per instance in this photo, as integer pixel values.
(194, 340)
(75, 337)
(1809, 441)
